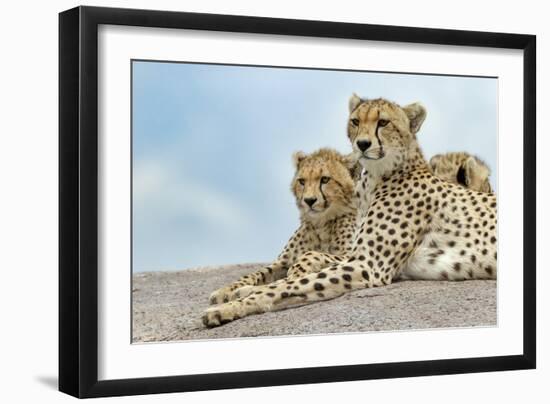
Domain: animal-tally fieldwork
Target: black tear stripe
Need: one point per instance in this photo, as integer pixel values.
(322, 193)
(302, 194)
(376, 133)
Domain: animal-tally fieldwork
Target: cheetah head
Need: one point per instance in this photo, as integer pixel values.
(381, 132)
(462, 169)
(323, 183)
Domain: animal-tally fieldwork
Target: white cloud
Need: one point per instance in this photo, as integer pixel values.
(157, 190)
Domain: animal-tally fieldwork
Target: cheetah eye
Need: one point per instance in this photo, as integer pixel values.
(324, 180)
(355, 122)
(301, 181)
(383, 122)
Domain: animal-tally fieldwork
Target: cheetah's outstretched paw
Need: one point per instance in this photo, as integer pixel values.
(242, 292)
(222, 295)
(221, 314)
(230, 293)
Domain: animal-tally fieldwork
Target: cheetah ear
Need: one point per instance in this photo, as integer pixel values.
(297, 158)
(475, 168)
(354, 102)
(416, 114)
(434, 161)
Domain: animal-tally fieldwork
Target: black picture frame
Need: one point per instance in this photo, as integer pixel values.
(78, 201)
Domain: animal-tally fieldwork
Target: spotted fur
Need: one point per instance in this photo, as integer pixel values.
(323, 189)
(411, 224)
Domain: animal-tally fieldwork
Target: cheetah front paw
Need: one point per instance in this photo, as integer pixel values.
(230, 293)
(242, 292)
(221, 314)
(222, 295)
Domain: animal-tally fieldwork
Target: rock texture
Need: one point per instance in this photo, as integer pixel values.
(167, 306)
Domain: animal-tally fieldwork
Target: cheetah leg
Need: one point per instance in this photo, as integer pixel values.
(328, 283)
(310, 262)
(265, 275)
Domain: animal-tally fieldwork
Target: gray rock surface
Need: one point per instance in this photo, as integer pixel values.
(167, 306)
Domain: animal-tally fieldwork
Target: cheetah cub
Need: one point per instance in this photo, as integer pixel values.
(463, 169)
(323, 188)
(410, 225)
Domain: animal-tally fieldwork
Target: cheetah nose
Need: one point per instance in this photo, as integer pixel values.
(310, 201)
(363, 145)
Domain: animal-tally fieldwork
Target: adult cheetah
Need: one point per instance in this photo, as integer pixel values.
(411, 224)
(463, 169)
(323, 189)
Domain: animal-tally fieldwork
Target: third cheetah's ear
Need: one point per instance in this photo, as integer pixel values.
(354, 102)
(434, 161)
(475, 168)
(297, 158)
(416, 114)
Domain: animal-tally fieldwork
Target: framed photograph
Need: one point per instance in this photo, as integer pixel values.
(251, 201)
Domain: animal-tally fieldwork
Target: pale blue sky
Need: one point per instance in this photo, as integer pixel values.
(212, 149)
